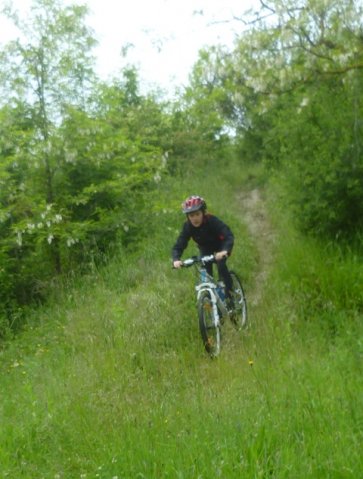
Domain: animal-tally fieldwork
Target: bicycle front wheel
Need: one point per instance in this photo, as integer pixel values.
(239, 316)
(208, 326)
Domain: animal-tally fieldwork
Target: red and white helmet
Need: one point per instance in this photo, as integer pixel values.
(193, 203)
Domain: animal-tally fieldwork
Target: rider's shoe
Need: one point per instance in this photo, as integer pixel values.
(231, 311)
(230, 305)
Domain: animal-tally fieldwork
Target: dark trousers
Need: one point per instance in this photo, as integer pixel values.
(223, 272)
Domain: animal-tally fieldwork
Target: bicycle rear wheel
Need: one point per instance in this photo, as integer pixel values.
(209, 330)
(239, 316)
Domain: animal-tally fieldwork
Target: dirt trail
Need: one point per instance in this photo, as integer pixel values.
(254, 213)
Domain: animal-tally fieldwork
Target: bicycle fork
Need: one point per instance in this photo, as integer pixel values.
(217, 303)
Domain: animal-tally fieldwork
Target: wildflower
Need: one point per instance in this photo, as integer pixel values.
(19, 239)
(250, 362)
(164, 159)
(71, 242)
(304, 102)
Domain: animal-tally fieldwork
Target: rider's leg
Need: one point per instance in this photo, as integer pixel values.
(224, 275)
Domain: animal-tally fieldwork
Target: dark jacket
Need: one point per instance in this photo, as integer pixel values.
(211, 236)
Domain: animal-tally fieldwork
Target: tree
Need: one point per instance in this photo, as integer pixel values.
(111, 162)
(47, 69)
(295, 76)
(199, 128)
(76, 156)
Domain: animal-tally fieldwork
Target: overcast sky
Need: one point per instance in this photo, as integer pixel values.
(165, 34)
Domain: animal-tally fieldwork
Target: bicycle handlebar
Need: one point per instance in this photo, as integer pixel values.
(198, 259)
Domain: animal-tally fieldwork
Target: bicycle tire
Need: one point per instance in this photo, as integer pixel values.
(239, 316)
(210, 332)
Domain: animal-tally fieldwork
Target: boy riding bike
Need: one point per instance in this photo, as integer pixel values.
(212, 237)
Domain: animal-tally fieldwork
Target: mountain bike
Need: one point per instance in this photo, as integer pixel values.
(213, 308)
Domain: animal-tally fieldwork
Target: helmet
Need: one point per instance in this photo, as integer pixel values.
(193, 203)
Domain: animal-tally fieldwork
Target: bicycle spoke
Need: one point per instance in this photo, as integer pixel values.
(210, 331)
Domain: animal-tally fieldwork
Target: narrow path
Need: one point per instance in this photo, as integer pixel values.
(254, 213)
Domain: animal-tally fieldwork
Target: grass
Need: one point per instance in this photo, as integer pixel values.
(111, 381)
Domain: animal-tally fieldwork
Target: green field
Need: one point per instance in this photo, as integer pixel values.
(110, 379)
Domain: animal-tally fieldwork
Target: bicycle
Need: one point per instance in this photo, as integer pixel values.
(212, 306)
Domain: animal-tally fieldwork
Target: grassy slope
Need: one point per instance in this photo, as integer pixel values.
(111, 380)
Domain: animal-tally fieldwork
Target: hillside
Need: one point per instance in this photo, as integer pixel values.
(103, 373)
(111, 380)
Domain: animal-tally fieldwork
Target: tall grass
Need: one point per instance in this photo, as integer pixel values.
(111, 380)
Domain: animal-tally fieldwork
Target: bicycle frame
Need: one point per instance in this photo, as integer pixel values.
(211, 287)
(208, 284)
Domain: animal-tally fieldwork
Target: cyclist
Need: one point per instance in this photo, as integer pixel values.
(211, 235)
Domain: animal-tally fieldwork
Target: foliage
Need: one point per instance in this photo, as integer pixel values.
(115, 368)
(79, 158)
(50, 64)
(320, 160)
(199, 129)
(316, 121)
(47, 67)
(76, 157)
(294, 80)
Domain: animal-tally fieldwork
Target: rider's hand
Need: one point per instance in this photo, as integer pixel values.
(221, 255)
(177, 264)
